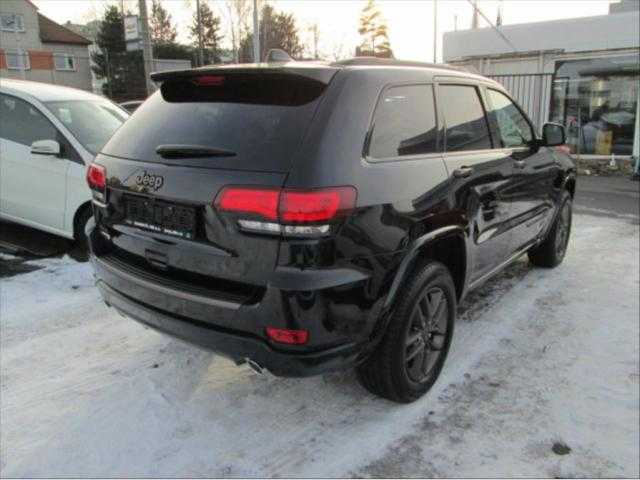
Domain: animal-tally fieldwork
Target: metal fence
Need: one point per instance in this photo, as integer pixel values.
(531, 91)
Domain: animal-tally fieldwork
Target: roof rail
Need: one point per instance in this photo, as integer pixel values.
(392, 62)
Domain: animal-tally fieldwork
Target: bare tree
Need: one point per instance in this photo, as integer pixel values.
(315, 32)
(338, 50)
(238, 14)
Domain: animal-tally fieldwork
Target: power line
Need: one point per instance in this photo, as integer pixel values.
(502, 35)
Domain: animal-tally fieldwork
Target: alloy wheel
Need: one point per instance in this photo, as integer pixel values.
(426, 338)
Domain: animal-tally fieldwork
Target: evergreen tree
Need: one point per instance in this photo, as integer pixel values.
(122, 70)
(162, 31)
(211, 33)
(373, 30)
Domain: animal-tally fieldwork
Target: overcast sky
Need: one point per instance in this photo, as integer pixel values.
(410, 21)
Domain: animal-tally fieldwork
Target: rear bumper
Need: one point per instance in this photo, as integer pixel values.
(233, 322)
(234, 345)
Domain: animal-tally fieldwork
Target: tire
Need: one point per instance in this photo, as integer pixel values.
(80, 251)
(552, 250)
(397, 370)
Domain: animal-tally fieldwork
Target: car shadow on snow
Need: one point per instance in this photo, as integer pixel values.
(159, 397)
(240, 383)
(20, 245)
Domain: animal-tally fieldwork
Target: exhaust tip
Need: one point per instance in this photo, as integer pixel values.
(256, 367)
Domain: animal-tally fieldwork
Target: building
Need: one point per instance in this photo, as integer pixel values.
(33, 47)
(581, 72)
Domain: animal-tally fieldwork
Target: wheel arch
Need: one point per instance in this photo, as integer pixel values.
(78, 213)
(447, 245)
(566, 181)
(570, 185)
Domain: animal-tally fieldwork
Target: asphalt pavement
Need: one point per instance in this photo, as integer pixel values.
(607, 196)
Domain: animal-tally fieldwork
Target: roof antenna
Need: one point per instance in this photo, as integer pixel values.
(278, 55)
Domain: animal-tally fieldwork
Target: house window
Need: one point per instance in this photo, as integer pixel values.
(11, 22)
(17, 61)
(64, 61)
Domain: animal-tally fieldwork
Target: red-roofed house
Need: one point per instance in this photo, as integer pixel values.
(34, 47)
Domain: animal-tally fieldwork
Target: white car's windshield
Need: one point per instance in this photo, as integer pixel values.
(92, 122)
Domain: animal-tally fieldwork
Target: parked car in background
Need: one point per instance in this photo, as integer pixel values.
(48, 136)
(309, 217)
(132, 105)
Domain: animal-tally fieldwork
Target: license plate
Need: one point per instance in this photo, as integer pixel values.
(161, 217)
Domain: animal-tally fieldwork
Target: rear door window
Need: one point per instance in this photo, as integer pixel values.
(260, 119)
(464, 117)
(404, 123)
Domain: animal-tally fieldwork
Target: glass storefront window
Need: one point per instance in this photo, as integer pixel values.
(596, 100)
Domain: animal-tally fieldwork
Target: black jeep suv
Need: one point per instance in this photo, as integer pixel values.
(308, 217)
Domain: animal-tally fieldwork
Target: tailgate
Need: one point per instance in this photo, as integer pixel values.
(163, 217)
(204, 130)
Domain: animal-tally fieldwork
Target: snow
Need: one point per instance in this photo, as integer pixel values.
(539, 356)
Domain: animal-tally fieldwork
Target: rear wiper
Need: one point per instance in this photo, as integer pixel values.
(191, 151)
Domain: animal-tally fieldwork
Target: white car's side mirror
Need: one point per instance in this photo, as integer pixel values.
(45, 147)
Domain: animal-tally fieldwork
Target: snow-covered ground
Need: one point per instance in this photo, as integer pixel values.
(539, 358)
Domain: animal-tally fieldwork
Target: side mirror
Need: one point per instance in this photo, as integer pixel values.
(553, 134)
(45, 147)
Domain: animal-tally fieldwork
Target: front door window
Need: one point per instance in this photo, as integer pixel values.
(514, 129)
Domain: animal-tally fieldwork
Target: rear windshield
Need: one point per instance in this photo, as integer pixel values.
(259, 119)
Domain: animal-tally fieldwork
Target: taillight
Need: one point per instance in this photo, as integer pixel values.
(287, 211)
(315, 205)
(291, 337)
(97, 176)
(261, 202)
(97, 180)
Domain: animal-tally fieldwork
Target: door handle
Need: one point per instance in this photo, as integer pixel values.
(463, 172)
(520, 164)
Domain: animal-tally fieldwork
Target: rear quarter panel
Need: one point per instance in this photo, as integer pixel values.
(398, 201)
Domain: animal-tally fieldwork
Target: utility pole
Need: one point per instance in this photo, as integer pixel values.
(316, 38)
(435, 30)
(147, 52)
(474, 20)
(477, 11)
(200, 46)
(256, 33)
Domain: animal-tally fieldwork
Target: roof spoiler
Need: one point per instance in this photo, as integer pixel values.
(320, 73)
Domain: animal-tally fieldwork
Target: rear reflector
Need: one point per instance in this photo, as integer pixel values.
(97, 176)
(291, 337)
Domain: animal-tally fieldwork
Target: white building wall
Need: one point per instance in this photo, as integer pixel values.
(81, 77)
(603, 32)
(30, 38)
(163, 65)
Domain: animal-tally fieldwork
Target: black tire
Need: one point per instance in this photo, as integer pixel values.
(552, 250)
(425, 313)
(80, 249)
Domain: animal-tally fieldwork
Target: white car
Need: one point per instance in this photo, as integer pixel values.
(48, 136)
